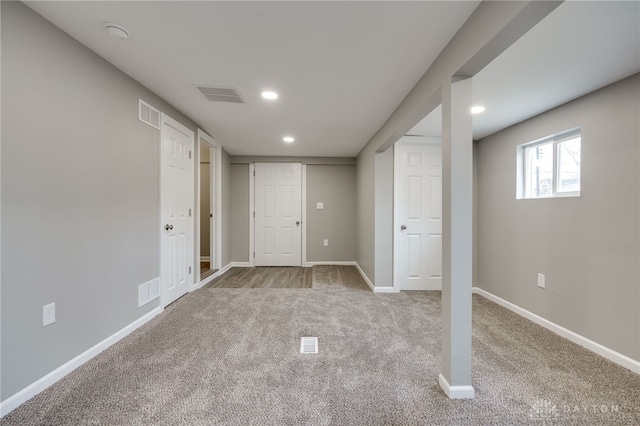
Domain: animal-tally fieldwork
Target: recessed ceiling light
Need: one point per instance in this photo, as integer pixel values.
(477, 109)
(116, 31)
(269, 95)
(288, 139)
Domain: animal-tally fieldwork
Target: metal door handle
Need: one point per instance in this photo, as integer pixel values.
(167, 227)
(403, 227)
(297, 222)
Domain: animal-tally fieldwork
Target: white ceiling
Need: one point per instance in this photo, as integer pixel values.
(341, 68)
(578, 48)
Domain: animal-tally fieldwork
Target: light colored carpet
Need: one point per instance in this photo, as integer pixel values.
(231, 356)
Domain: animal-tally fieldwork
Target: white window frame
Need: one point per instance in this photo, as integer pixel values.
(521, 168)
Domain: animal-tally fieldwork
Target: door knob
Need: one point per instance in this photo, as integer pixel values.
(167, 227)
(403, 227)
(297, 222)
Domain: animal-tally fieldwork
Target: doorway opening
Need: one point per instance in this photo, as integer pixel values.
(208, 221)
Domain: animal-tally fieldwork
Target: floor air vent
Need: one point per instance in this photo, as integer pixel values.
(221, 94)
(309, 345)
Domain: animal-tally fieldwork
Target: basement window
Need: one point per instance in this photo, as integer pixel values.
(550, 167)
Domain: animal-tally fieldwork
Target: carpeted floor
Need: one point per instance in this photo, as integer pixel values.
(231, 356)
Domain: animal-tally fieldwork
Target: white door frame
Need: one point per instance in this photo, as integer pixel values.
(252, 219)
(396, 202)
(164, 118)
(216, 201)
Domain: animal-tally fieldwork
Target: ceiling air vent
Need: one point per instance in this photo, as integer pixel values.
(221, 94)
(148, 114)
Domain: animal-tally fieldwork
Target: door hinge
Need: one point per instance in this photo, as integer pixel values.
(189, 212)
(189, 270)
(254, 254)
(254, 173)
(254, 214)
(189, 155)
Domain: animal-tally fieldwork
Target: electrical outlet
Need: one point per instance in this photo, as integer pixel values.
(541, 282)
(48, 314)
(320, 206)
(326, 243)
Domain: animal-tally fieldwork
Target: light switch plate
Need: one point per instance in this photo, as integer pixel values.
(541, 281)
(326, 243)
(320, 206)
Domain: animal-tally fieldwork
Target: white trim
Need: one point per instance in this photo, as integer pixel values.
(240, 265)
(396, 217)
(208, 279)
(213, 276)
(603, 351)
(216, 229)
(386, 290)
(333, 262)
(456, 392)
(373, 287)
(43, 383)
(365, 278)
(224, 270)
(252, 209)
(303, 256)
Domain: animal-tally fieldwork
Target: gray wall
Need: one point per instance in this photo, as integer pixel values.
(80, 197)
(383, 199)
(490, 29)
(586, 246)
(239, 205)
(366, 182)
(335, 186)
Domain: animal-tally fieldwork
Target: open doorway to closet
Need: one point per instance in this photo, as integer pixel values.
(208, 220)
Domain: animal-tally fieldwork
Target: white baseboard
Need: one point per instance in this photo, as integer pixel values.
(334, 262)
(239, 265)
(207, 280)
(456, 392)
(370, 284)
(610, 354)
(365, 278)
(385, 290)
(41, 384)
(224, 269)
(205, 258)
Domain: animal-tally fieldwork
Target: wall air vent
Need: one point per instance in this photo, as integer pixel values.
(221, 94)
(148, 114)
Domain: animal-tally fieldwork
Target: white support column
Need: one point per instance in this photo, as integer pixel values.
(457, 233)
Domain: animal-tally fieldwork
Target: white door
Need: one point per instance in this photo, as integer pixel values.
(418, 216)
(278, 214)
(177, 188)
